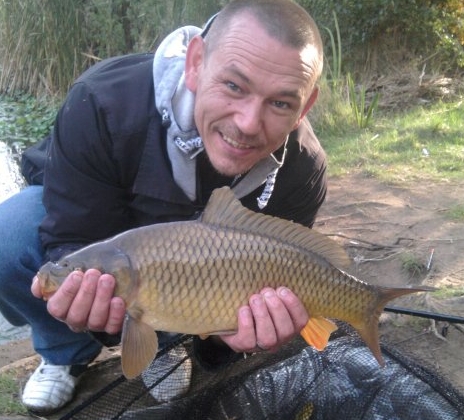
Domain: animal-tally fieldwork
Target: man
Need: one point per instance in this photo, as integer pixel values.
(130, 147)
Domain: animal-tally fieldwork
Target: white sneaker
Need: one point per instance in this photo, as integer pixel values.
(49, 388)
(168, 377)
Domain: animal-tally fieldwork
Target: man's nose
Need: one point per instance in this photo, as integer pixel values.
(249, 116)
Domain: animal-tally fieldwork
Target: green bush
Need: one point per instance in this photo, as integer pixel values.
(25, 120)
(371, 30)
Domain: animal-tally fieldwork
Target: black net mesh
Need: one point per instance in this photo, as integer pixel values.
(298, 382)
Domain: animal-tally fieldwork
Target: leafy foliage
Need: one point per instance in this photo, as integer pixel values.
(371, 31)
(25, 120)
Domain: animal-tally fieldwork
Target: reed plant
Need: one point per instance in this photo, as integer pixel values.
(363, 110)
(41, 46)
(335, 71)
(331, 107)
(47, 44)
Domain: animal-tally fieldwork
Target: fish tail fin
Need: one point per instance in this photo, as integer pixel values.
(317, 332)
(369, 330)
(139, 345)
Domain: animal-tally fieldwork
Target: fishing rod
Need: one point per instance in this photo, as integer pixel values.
(452, 319)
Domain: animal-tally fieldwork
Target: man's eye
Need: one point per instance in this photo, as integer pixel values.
(232, 86)
(281, 104)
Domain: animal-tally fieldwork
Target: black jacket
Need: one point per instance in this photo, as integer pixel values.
(107, 168)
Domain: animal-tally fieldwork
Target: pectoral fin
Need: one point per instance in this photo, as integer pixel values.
(317, 332)
(139, 345)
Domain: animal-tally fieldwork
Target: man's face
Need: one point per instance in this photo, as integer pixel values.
(251, 92)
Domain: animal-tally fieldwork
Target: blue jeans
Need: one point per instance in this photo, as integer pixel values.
(21, 255)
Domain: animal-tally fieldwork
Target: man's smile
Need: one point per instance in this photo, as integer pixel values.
(234, 143)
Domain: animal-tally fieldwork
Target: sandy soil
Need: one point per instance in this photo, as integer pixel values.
(384, 228)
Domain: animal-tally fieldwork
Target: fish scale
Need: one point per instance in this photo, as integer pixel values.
(192, 277)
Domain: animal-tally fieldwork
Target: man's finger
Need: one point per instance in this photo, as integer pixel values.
(284, 328)
(99, 311)
(116, 316)
(245, 338)
(81, 305)
(35, 288)
(266, 335)
(295, 307)
(58, 305)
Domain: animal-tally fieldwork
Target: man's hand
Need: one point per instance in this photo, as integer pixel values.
(272, 318)
(85, 302)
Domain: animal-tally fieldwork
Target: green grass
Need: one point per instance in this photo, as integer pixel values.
(424, 143)
(456, 213)
(9, 396)
(412, 264)
(447, 292)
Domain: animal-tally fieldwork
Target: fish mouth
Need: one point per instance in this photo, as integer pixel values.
(46, 295)
(44, 290)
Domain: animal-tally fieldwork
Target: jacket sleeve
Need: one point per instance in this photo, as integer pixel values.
(82, 197)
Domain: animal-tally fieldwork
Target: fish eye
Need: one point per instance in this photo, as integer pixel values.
(70, 266)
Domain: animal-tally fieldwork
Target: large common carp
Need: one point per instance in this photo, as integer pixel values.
(191, 277)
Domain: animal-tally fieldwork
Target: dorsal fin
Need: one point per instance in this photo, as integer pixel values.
(226, 211)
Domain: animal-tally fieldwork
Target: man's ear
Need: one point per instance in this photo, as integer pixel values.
(194, 61)
(310, 102)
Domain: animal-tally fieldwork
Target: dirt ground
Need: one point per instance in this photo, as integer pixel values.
(396, 235)
(393, 233)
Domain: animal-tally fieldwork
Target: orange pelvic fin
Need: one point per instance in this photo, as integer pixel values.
(317, 332)
(139, 347)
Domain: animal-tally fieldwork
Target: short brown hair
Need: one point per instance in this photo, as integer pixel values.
(283, 20)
